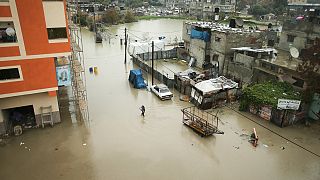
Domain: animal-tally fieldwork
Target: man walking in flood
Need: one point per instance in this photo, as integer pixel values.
(143, 110)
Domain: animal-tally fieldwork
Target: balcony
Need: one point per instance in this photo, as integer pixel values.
(7, 34)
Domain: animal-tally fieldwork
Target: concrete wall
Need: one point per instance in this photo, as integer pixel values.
(246, 61)
(299, 42)
(242, 67)
(186, 31)
(302, 31)
(37, 100)
(197, 50)
(218, 46)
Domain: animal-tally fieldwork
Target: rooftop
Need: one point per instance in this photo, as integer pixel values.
(281, 58)
(222, 27)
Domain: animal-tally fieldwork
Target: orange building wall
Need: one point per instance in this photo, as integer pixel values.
(34, 31)
(5, 11)
(9, 51)
(37, 74)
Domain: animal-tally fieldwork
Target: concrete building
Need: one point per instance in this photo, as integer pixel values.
(216, 49)
(206, 9)
(300, 34)
(259, 65)
(33, 34)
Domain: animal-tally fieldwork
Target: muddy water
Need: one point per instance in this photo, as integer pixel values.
(120, 144)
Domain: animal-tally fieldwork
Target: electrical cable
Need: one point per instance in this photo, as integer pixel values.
(276, 133)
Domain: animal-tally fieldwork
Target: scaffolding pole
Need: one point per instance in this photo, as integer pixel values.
(77, 62)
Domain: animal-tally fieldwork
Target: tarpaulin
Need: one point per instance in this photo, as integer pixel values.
(203, 35)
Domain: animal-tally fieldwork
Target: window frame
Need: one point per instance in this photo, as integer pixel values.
(289, 37)
(57, 38)
(12, 80)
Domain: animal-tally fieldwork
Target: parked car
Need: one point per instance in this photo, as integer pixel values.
(162, 91)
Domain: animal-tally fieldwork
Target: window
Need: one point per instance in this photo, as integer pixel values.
(7, 32)
(264, 65)
(290, 38)
(310, 41)
(57, 33)
(10, 73)
(299, 82)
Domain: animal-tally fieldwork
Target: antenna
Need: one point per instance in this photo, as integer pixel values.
(294, 52)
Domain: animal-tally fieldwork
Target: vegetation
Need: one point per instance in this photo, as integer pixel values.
(267, 94)
(308, 70)
(111, 16)
(129, 17)
(139, 3)
(81, 19)
(258, 10)
(263, 7)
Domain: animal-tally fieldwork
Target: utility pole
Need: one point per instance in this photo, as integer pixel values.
(125, 45)
(152, 62)
(94, 18)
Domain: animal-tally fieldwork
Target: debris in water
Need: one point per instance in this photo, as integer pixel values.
(84, 144)
(282, 148)
(192, 144)
(21, 143)
(265, 145)
(184, 98)
(56, 149)
(236, 147)
(244, 135)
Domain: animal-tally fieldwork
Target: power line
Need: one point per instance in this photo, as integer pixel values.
(276, 133)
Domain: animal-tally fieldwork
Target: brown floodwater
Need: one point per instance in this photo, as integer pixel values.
(118, 143)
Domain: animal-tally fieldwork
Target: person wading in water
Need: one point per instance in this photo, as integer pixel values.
(143, 110)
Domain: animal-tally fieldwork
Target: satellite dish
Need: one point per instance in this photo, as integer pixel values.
(10, 31)
(294, 52)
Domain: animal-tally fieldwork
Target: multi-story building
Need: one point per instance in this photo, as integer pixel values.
(206, 9)
(32, 34)
(300, 33)
(211, 43)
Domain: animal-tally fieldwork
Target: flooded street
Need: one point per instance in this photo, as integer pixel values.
(118, 143)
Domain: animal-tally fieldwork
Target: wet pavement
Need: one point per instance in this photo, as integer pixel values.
(118, 143)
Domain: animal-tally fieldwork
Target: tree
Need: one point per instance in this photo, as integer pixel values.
(105, 2)
(129, 17)
(111, 16)
(258, 10)
(310, 70)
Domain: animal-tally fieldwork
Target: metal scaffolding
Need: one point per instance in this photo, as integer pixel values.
(77, 66)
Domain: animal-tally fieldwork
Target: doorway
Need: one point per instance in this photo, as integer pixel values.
(23, 117)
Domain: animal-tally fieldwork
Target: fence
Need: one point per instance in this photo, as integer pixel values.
(168, 54)
(140, 60)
